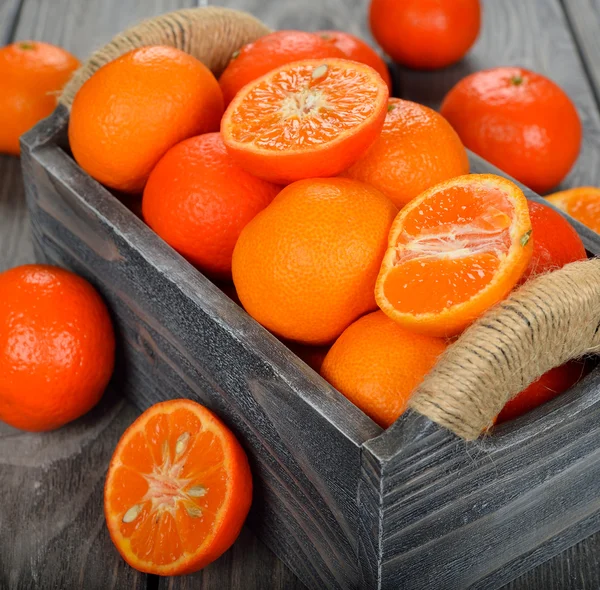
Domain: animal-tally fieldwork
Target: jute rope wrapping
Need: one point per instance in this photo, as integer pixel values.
(211, 34)
(545, 323)
(548, 321)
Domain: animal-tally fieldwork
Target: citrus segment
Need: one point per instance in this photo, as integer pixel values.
(581, 203)
(178, 489)
(453, 252)
(312, 118)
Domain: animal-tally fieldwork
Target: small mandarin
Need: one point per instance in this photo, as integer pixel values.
(135, 108)
(377, 364)
(417, 148)
(305, 267)
(582, 203)
(57, 347)
(198, 200)
(32, 74)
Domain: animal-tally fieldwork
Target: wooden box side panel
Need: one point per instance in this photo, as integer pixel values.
(302, 436)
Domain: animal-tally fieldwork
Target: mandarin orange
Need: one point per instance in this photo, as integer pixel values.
(377, 364)
(307, 119)
(417, 148)
(57, 347)
(178, 489)
(582, 203)
(305, 267)
(135, 108)
(198, 200)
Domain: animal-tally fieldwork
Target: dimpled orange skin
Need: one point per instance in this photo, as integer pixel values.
(133, 109)
(417, 148)
(425, 34)
(306, 266)
(582, 203)
(358, 50)
(32, 74)
(269, 52)
(377, 365)
(518, 120)
(57, 347)
(198, 200)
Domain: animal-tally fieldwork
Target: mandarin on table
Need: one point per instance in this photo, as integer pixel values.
(581, 203)
(377, 365)
(547, 387)
(417, 148)
(32, 74)
(356, 49)
(57, 347)
(555, 241)
(133, 109)
(518, 120)
(178, 489)
(269, 52)
(305, 267)
(425, 34)
(198, 200)
(453, 252)
(307, 119)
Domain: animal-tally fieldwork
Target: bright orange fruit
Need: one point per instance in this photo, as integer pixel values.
(178, 489)
(32, 74)
(306, 119)
(57, 347)
(358, 50)
(377, 365)
(581, 203)
(547, 387)
(518, 120)
(417, 148)
(453, 252)
(135, 108)
(305, 267)
(555, 241)
(269, 52)
(198, 200)
(425, 34)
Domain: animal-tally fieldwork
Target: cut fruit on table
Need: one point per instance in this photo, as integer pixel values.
(307, 119)
(178, 489)
(454, 252)
(581, 203)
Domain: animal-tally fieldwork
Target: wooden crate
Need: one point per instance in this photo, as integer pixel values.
(342, 502)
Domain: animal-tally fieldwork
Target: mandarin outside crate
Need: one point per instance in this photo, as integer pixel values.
(342, 502)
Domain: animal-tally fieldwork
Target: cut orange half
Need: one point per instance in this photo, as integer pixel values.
(178, 489)
(453, 252)
(307, 119)
(581, 203)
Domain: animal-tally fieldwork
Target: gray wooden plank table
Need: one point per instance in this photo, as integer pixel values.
(51, 514)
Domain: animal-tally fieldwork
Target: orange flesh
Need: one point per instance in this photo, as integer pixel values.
(169, 487)
(305, 106)
(450, 248)
(581, 203)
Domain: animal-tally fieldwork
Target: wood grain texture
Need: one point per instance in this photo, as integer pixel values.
(9, 14)
(534, 34)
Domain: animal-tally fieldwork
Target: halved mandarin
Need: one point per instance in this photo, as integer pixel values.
(453, 252)
(582, 203)
(178, 489)
(307, 119)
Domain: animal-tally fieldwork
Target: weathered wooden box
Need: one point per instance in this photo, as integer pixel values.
(343, 503)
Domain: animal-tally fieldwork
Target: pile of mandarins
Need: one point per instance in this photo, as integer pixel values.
(347, 221)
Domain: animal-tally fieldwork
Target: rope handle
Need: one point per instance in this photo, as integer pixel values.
(551, 319)
(209, 33)
(548, 321)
